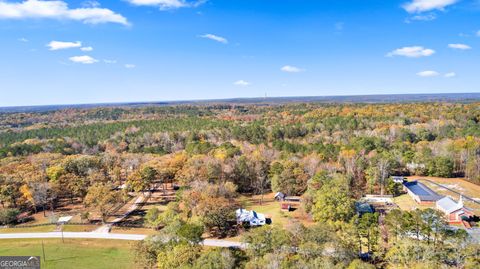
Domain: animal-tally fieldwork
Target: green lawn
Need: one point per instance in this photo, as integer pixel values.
(79, 228)
(405, 202)
(37, 229)
(271, 208)
(126, 230)
(74, 253)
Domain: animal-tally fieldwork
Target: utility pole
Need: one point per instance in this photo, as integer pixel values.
(43, 250)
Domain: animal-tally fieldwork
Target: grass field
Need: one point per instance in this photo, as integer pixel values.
(79, 228)
(126, 230)
(405, 202)
(74, 253)
(271, 208)
(38, 229)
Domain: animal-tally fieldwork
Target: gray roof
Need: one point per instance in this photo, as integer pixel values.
(448, 205)
(362, 207)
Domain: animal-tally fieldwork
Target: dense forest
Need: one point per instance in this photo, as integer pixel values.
(329, 154)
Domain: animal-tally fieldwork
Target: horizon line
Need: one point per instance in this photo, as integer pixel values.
(211, 100)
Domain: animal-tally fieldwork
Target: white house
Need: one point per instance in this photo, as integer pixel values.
(251, 217)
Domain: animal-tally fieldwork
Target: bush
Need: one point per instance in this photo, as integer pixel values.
(191, 232)
(8, 216)
(180, 256)
(216, 258)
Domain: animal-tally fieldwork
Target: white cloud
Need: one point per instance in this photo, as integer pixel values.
(130, 66)
(90, 3)
(86, 48)
(427, 17)
(418, 6)
(109, 61)
(60, 45)
(215, 38)
(167, 4)
(412, 52)
(242, 83)
(83, 59)
(478, 33)
(428, 73)
(459, 46)
(59, 10)
(23, 39)
(291, 69)
(450, 75)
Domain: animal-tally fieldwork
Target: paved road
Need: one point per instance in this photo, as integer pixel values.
(94, 235)
(84, 235)
(475, 234)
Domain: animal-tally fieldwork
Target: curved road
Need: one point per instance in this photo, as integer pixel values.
(93, 235)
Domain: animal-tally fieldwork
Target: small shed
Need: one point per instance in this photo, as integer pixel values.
(64, 220)
(288, 207)
(279, 196)
(398, 179)
(296, 199)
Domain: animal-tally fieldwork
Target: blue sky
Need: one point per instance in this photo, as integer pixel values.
(64, 52)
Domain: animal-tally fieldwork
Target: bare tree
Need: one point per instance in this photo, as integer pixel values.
(384, 171)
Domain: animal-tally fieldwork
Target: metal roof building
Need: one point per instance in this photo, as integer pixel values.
(454, 211)
(421, 193)
(447, 205)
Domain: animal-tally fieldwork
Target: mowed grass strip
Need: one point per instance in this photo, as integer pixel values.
(406, 203)
(74, 253)
(36, 229)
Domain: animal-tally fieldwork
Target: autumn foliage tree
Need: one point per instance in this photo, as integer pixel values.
(101, 198)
